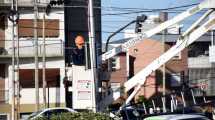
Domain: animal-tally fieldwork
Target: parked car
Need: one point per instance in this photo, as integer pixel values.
(49, 112)
(132, 113)
(178, 117)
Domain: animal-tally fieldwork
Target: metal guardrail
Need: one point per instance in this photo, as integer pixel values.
(26, 48)
(25, 2)
(199, 62)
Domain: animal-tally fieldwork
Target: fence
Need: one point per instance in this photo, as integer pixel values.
(26, 48)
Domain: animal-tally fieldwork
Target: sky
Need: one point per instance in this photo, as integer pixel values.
(111, 23)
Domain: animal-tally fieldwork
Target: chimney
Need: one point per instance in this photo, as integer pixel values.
(163, 16)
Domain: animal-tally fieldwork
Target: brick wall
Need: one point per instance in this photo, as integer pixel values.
(147, 51)
(119, 76)
(140, 56)
(26, 28)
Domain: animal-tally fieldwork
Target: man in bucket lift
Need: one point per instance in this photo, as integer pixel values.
(78, 53)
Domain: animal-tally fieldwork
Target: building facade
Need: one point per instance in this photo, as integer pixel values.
(24, 75)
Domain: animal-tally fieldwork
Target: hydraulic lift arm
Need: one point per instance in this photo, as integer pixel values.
(184, 41)
(159, 28)
(192, 34)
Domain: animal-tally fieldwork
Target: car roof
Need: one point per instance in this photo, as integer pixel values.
(57, 108)
(47, 109)
(54, 108)
(174, 117)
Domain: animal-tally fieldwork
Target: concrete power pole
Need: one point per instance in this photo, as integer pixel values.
(13, 108)
(36, 57)
(92, 53)
(17, 68)
(164, 17)
(44, 64)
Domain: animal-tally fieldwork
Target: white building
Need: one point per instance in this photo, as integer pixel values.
(54, 42)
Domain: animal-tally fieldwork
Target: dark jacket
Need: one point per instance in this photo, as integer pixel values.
(78, 56)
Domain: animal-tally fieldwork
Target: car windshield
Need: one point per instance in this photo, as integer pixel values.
(34, 114)
(132, 114)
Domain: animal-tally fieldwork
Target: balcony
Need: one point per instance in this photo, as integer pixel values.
(53, 48)
(199, 62)
(26, 3)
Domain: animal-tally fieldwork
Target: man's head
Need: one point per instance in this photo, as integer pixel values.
(79, 41)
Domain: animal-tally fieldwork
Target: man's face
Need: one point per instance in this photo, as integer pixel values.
(79, 41)
(80, 46)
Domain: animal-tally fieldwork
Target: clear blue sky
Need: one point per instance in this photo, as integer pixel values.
(111, 23)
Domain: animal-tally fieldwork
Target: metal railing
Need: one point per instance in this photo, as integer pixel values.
(53, 48)
(25, 2)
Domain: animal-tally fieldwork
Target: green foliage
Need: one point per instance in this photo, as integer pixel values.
(141, 99)
(78, 116)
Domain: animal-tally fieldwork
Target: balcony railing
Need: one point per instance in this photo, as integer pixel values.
(199, 62)
(53, 48)
(25, 2)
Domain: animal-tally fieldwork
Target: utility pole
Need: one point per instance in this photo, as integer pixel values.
(13, 108)
(36, 57)
(164, 73)
(44, 64)
(17, 68)
(164, 17)
(92, 53)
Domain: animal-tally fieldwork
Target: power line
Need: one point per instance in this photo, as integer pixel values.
(123, 8)
(132, 10)
(153, 10)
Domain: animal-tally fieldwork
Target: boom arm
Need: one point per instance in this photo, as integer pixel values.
(139, 79)
(185, 40)
(192, 34)
(159, 28)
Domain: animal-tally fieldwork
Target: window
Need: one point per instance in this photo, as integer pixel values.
(25, 28)
(175, 79)
(200, 118)
(115, 64)
(49, 113)
(26, 77)
(3, 117)
(3, 26)
(115, 86)
(59, 111)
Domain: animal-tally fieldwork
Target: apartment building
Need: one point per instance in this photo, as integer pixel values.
(54, 53)
(201, 66)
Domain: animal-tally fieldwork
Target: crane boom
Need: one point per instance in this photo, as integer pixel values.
(136, 82)
(192, 34)
(159, 28)
(185, 40)
(139, 79)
